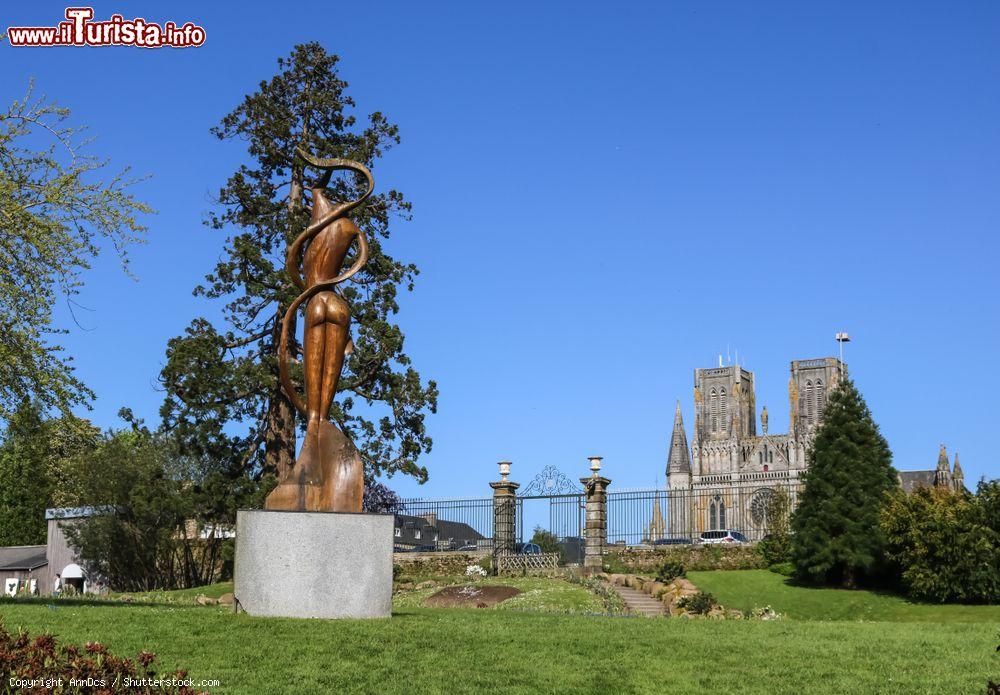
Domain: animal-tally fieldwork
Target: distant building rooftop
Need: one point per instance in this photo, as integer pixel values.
(22, 558)
(911, 480)
(76, 512)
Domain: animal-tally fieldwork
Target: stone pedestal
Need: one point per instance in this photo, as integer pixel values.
(596, 528)
(313, 564)
(504, 516)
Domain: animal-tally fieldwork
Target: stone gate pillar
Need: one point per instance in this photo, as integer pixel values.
(504, 513)
(596, 527)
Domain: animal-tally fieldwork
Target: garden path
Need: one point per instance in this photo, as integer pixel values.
(640, 603)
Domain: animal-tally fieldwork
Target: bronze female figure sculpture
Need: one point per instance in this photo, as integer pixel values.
(328, 475)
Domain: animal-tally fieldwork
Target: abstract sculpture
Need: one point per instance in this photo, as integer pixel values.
(328, 475)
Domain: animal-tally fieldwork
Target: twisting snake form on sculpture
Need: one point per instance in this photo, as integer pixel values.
(294, 256)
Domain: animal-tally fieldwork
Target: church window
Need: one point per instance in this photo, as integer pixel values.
(722, 409)
(809, 400)
(820, 397)
(713, 407)
(760, 457)
(716, 514)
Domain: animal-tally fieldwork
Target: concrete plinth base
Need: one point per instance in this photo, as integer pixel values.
(313, 564)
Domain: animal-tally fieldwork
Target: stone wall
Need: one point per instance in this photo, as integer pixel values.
(446, 562)
(693, 557)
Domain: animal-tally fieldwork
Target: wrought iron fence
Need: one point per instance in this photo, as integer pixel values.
(455, 524)
(661, 516)
(641, 517)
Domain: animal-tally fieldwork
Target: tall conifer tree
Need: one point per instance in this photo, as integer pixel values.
(224, 403)
(837, 538)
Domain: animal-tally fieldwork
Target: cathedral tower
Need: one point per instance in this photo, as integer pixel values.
(808, 390)
(724, 413)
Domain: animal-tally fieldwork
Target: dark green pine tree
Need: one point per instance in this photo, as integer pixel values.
(34, 452)
(837, 538)
(224, 403)
(25, 483)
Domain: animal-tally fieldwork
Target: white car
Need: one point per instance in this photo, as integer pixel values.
(723, 537)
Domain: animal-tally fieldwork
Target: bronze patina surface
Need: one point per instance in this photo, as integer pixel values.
(328, 475)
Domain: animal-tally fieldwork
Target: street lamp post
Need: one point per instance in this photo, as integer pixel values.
(841, 339)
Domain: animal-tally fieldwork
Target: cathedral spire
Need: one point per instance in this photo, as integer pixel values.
(679, 460)
(957, 476)
(942, 464)
(942, 476)
(657, 527)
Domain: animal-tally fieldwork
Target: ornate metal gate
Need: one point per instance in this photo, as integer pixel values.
(565, 509)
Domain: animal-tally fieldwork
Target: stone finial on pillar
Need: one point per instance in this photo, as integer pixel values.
(596, 528)
(504, 512)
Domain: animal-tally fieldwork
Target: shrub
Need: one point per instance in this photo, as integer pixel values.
(622, 560)
(613, 564)
(397, 572)
(945, 543)
(549, 543)
(669, 571)
(784, 568)
(42, 659)
(612, 600)
(776, 546)
(764, 613)
(699, 604)
(775, 549)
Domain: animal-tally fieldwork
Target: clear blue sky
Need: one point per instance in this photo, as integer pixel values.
(606, 196)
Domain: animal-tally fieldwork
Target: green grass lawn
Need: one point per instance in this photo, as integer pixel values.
(748, 589)
(182, 596)
(423, 650)
(452, 651)
(537, 594)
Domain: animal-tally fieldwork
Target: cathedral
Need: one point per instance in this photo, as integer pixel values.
(731, 471)
(945, 475)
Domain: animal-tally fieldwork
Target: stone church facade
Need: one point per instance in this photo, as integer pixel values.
(728, 476)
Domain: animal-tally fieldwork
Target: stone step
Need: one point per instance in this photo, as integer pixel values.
(640, 603)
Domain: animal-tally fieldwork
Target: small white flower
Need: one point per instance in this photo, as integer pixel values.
(475, 571)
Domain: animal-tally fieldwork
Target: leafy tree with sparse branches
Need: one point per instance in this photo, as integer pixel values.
(163, 519)
(223, 397)
(57, 207)
(836, 534)
(775, 547)
(946, 543)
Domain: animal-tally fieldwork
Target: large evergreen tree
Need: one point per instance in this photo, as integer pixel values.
(837, 537)
(224, 402)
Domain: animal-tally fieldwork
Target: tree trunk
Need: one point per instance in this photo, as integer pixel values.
(279, 432)
(849, 581)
